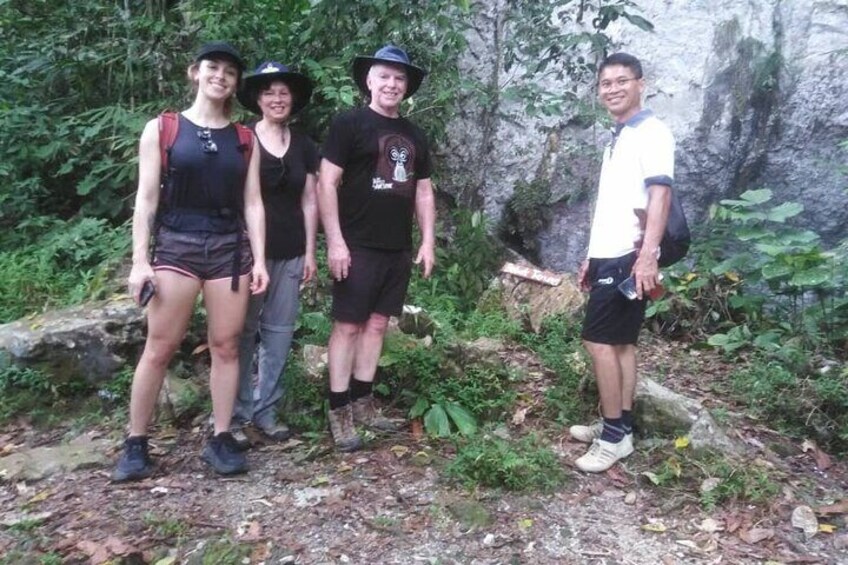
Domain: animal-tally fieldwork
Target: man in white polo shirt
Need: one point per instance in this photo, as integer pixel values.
(634, 196)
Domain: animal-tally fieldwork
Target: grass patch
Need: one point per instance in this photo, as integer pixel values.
(522, 465)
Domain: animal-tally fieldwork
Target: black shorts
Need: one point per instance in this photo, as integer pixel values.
(610, 317)
(202, 255)
(376, 283)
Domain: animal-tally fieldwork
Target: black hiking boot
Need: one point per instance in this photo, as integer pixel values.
(135, 463)
(222, 453)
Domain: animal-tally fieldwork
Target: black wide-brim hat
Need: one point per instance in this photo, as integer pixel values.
(215, 49)
(268, 72)
(391, 55)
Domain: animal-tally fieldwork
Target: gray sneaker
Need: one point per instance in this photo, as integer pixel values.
(277, 432)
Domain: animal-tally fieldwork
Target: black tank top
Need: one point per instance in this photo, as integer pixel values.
(204, 189)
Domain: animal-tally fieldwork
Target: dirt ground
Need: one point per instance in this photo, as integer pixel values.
(303, 503)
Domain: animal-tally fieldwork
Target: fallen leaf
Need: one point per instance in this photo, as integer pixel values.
(658, 527)
(399, 450)
(344, 468)
(417, 429)
(681, 442)
(43, 495)
(836, 508)
(97, 554)
(804, 519)
(710, 525)
(732, 523)
(652, 477)
(249, 531)
(827, 528)
(200, 349)
(118, 547)
(519, 416)
(688, 543)
(756, 535)
(525, 524)
(710, 484)
(823, 460)
(320, 480)
(166, 561)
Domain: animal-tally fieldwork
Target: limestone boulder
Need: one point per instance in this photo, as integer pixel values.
(91, 341)
(660, 411)
(41, 462)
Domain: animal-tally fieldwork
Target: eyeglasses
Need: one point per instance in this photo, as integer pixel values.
(206, 142)
(620, 82)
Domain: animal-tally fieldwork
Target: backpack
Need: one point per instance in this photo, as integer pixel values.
(676, 239)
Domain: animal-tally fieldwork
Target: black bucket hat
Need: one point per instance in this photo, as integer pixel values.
(220, 48)
(267, 72)
(394, 56)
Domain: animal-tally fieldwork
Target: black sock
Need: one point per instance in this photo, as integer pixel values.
(358, 389)
(339, 399)
(627, 421)
(613, 432)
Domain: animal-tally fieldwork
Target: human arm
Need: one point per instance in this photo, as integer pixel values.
(425, 213)
(309, 205)
(582, 283)
(254, 216)
(646, 267)
(338, 254)
(144, 213)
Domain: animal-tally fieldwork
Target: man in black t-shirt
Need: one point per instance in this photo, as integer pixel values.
(374, 177)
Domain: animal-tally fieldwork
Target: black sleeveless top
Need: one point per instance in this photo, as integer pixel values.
(204, 188)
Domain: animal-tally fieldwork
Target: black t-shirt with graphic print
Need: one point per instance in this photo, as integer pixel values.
(383, 159)
(282, 181)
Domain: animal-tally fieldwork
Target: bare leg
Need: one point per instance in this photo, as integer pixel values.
(368, 347)
(225, 312)
(627, 361)
(341, 354)
(609, 376)
(168, 315)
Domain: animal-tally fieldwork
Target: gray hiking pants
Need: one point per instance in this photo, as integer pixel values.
(272, 316)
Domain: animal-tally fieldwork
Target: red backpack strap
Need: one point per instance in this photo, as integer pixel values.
(169, 127)
(245, 136)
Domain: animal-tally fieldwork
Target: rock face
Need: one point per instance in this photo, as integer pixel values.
(662, 412)
(90, 341)
(40, 462)
(753, 91)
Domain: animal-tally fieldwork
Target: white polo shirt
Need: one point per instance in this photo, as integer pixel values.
(640, 155)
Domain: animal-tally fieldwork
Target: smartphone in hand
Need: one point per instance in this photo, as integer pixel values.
(147, 292)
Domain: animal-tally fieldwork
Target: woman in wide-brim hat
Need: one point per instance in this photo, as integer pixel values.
(388, 55)
(288, 172)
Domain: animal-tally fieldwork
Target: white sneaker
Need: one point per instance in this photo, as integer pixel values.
(587, 434)
(603, 454)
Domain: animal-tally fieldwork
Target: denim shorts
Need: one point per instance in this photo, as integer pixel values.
(203, 255)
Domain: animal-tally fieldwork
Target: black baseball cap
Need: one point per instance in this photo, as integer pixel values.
(220, 48)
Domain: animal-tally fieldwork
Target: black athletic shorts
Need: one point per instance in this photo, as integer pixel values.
(610, 317)
(376, 282)
(202, 255)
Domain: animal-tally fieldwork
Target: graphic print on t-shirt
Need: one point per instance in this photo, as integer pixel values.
(395, 164)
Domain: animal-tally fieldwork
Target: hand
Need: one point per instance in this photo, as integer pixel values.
(309, 268)
(426, 258)
(140, 273)
(582, 283)
(258, 278)
(647, 271)
(338, 259)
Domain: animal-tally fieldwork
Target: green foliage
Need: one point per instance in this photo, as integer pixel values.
(164, 527)
(760, 283)
(527, 213)
(25, 390)
(522, 465)
(813, 404)
(50, 262)
(735, 481)
(548, 40)
(559, 346)
(466, 261)
(305, 397)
